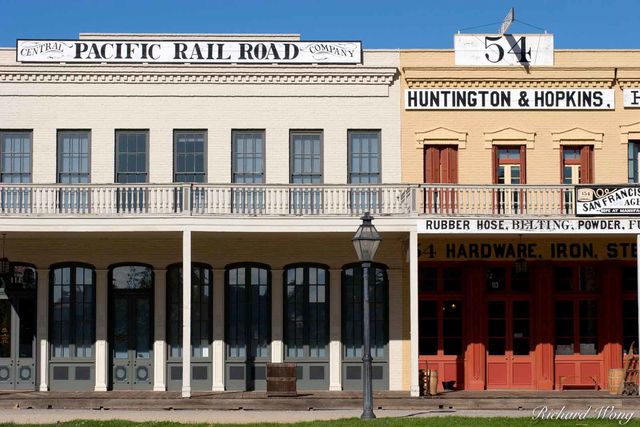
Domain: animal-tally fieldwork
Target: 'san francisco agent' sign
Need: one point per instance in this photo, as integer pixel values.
(503, 50)
(206, 51)
(607, 200)
(509, 99)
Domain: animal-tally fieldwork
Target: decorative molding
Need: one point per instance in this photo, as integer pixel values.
(629, 132)
(577, 136)
(441, 136)
(301, 77)
(510, 84)
(509, 136)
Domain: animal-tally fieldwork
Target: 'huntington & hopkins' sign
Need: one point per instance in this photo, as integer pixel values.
(183, 51)
(509, 99)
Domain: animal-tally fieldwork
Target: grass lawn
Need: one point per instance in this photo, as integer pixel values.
(353, 422)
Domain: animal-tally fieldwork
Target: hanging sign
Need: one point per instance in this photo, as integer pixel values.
(182, 51)
(503, 50)
(528, 226)
(509, 99)
(631, 98)
(607, 200)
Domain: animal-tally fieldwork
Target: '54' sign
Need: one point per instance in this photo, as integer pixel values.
(504, 50)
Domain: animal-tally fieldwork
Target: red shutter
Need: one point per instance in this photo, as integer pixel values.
(523, 164)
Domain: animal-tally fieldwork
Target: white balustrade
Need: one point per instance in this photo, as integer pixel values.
(284, 200)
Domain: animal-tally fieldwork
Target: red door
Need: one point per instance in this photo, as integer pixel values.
(440, 167)
(509, 350)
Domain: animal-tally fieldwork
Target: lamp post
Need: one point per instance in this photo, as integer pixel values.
(365, 242)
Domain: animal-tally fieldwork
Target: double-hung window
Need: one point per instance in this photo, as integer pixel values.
(248, 167)
(74, 168)
(15, 167)
(189, 165)
(132, 167)
(364, 168)
(306, 168)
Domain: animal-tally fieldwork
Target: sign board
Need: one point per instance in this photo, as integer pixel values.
(631, 98)
(183, 51)
(507, 21)
(607, 200)
(548, 248)
(503, 50)
(509, 99)
(528, 226)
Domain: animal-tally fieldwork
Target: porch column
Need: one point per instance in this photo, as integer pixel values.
(102, 313)
(475, 354)
(160, 331)
(186, 313)
(277, 335)
(335, 330)
(543, 327)
(218, 330)
(43, 328)
(414, 387)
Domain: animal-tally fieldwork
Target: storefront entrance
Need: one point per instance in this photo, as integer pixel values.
(509, 358)
(536, 325)
(131, 333)
(18, 330)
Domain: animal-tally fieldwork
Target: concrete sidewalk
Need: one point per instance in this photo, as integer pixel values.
(40, 416)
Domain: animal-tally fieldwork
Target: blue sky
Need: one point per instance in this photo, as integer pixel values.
(379, 24)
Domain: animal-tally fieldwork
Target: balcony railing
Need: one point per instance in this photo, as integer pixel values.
(498, 200)
(279, 200)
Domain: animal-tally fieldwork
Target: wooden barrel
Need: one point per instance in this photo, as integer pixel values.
(616, 381)
(281, 380)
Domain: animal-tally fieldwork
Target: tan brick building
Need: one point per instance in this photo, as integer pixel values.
(516, 292)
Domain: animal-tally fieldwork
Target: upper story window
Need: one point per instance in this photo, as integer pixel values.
(15, 150)
(509, 165)
(632, 161)
(189, 156)
(577, 164)
(73, 157)
(247, 156)
(132, 152)
(364, 156)
(306, 157)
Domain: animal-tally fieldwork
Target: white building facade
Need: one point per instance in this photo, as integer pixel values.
(151, 207)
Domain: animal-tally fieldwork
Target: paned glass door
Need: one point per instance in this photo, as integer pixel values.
(132, 341)
(17, 342)
(509, 352)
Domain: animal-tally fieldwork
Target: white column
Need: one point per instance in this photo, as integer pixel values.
(102, 350)
(277, 336)
(43, 328)
(413, 312)
(218, 330)
(335, 330)
(160, 331)
(186, 313)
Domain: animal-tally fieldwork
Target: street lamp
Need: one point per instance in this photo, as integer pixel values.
(366, 241)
